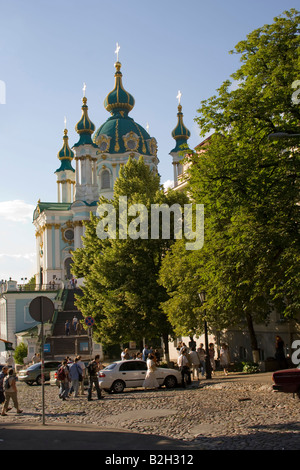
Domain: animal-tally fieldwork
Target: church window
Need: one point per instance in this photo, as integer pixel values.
(105, 179)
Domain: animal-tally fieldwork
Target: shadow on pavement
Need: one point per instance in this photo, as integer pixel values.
(54, 437)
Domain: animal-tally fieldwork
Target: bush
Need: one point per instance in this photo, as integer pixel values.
(21, 351)
(250, 367)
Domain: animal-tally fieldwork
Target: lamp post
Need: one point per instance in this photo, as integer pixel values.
(202, 297)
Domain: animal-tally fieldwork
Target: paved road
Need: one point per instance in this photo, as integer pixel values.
(228, 413)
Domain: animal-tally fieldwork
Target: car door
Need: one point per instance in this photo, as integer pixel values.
(141, 367)
(130, 373)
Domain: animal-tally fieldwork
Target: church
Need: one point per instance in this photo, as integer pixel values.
(88, 171)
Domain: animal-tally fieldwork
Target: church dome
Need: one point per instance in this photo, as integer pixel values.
(65, 155)
(118, 100)
(84, 126)
(120, 133)
(181, 132)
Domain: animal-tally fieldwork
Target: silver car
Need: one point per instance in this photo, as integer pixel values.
(131, 374)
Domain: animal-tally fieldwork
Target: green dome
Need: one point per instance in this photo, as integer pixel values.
(118, 99)
(84, 127)
(65, 155)
(180, 133)
(120, 134)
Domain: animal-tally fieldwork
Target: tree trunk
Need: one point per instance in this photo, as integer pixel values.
(253, 339)
(165, 338)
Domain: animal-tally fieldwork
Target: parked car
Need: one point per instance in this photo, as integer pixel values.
(131, 374)
(287, 381)
(33, 373)
(54, 380)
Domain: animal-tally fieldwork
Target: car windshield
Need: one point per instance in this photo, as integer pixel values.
(110, 366)
(34, 366)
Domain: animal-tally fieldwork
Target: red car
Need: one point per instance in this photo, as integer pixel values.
(287, 381)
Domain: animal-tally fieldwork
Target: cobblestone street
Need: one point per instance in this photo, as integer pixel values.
(232, 413)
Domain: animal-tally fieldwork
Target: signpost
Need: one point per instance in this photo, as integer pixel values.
(41, 309)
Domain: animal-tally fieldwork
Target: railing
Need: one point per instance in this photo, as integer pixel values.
(14, 287)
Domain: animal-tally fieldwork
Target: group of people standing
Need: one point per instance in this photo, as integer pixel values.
(75, 324)
(143, 356)
(192, 362)
(71, 375)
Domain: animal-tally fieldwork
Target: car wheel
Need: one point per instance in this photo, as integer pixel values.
(170, 381)
(118, 386)
(39, 380)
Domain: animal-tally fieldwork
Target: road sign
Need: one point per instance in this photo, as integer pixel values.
(89, 321)
(41, 309)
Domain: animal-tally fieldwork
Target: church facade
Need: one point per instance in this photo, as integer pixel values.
(87, 171)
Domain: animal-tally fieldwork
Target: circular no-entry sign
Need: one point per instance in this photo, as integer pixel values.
(41, 309)
(89, 321)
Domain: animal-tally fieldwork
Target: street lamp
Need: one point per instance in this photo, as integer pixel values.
(202, 297)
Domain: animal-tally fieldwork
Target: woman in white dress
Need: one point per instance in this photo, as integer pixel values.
(150, 379)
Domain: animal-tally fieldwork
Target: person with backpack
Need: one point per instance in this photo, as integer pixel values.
(10, 392)
(93, 369)
(3, 374)
(64, 377)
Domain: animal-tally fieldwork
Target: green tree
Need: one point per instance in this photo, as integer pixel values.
(21, 351)
(120, 274)
(249, 186)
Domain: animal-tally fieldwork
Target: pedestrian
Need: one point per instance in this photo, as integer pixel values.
(279, 352)
(78, 328)
(35, 358)
(184, 368)
(211, 353)
(202, 355)
(74, 323)
(125, 354)
(10, 392)
(3, 374)
(157, 356)
(146, 351)
(81, 382)
(63, 376)
(224, 358)
(150, 378)
(75, 372)
(93, 369)
(67, 328)
(195, 362)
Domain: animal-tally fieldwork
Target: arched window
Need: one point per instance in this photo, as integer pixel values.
(105, 179)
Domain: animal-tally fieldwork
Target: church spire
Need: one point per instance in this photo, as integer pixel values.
(118, 100)
(84, 126)
(65, 173)
(181, 133)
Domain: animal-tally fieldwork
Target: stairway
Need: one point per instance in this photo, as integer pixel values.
(62, 345)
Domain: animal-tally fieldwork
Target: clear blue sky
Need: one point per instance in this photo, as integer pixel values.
(48, 48)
